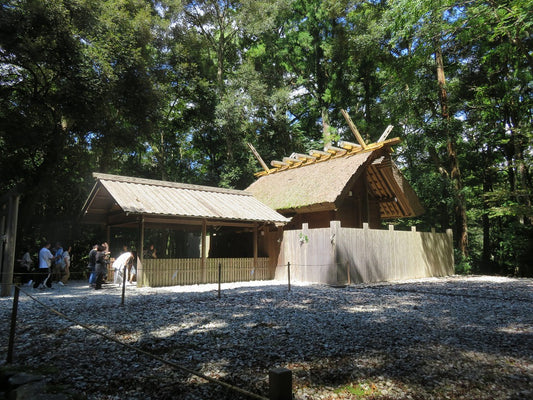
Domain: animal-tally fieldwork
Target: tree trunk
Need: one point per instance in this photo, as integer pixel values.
(326, 135)
(461, 228)
(486, 264)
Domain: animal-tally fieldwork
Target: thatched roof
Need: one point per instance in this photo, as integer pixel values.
(323, 185)
(310, 185)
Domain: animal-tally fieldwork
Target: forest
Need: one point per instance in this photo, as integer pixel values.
(175, 90)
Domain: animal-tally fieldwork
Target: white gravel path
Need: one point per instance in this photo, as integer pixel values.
(455, 337)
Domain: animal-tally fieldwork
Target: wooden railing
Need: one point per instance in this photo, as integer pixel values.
(188, 271)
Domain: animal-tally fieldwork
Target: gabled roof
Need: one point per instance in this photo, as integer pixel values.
(396, 197)
(114, 195)
(324, 185)
(309, 186)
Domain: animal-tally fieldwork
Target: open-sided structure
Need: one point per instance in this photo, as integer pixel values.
(126, 202)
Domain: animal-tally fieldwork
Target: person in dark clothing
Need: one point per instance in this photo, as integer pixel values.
(92, 265)
(102, 260)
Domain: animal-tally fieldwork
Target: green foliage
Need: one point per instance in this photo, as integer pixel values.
(175, 90)
(463, 265)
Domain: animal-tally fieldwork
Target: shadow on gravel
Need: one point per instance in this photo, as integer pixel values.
(451, 337)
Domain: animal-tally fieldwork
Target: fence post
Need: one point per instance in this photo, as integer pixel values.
(123, 284)
(280, 384)
(219, 278)
(11, 344)
(289, 274)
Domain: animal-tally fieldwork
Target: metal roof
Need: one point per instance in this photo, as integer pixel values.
(136, 196)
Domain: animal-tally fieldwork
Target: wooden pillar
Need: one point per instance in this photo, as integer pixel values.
(8, 241)
(203, 262)
(337, 275)
(256, 244)
(140, 253)
(367, 201)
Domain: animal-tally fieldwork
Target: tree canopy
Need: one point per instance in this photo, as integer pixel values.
(175, 89)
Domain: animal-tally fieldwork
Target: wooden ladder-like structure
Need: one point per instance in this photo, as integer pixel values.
(344, 149)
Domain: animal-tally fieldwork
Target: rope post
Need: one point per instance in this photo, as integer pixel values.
(280, 384)
(219, 278)
(11, 344)
(289, 274)
(123, 285)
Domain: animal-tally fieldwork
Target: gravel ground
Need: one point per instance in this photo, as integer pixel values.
(441, 338)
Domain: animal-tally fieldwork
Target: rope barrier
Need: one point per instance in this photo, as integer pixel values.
(153, 356)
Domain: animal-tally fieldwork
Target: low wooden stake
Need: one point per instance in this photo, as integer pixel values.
(280, 382)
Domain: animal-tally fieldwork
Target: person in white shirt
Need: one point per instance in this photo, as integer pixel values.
(120, 265)
(43, 276)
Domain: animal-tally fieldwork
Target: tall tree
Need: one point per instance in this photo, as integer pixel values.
(75, 93)
(428, 32)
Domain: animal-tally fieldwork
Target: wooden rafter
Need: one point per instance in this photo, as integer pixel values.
(354, 130)
(385, 133)
(258, 157)
(345, 149)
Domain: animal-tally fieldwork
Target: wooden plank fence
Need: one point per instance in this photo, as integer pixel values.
(337, 255)
(188, 271)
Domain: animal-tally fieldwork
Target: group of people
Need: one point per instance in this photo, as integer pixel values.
(53, 266)
(99, 260)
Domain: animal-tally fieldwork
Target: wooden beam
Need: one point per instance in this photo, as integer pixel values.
(349, 146)
(140, 253)
(258, 157)
(320, 155)
(255, 250)
(385, 133)
(336, 151)
(278, 164)
(303, 157)
(292, 161)
(353, 128)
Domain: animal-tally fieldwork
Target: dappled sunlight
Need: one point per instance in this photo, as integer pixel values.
(211, 326)
(421, 334)
(516, 328)
(364, 309)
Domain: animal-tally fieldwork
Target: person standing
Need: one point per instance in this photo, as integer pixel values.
(65, 272)
(150, 252)
(26, 267)
(92, 265)
(120, 266)
(44, 274)
(58, 264)
(102, 259)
